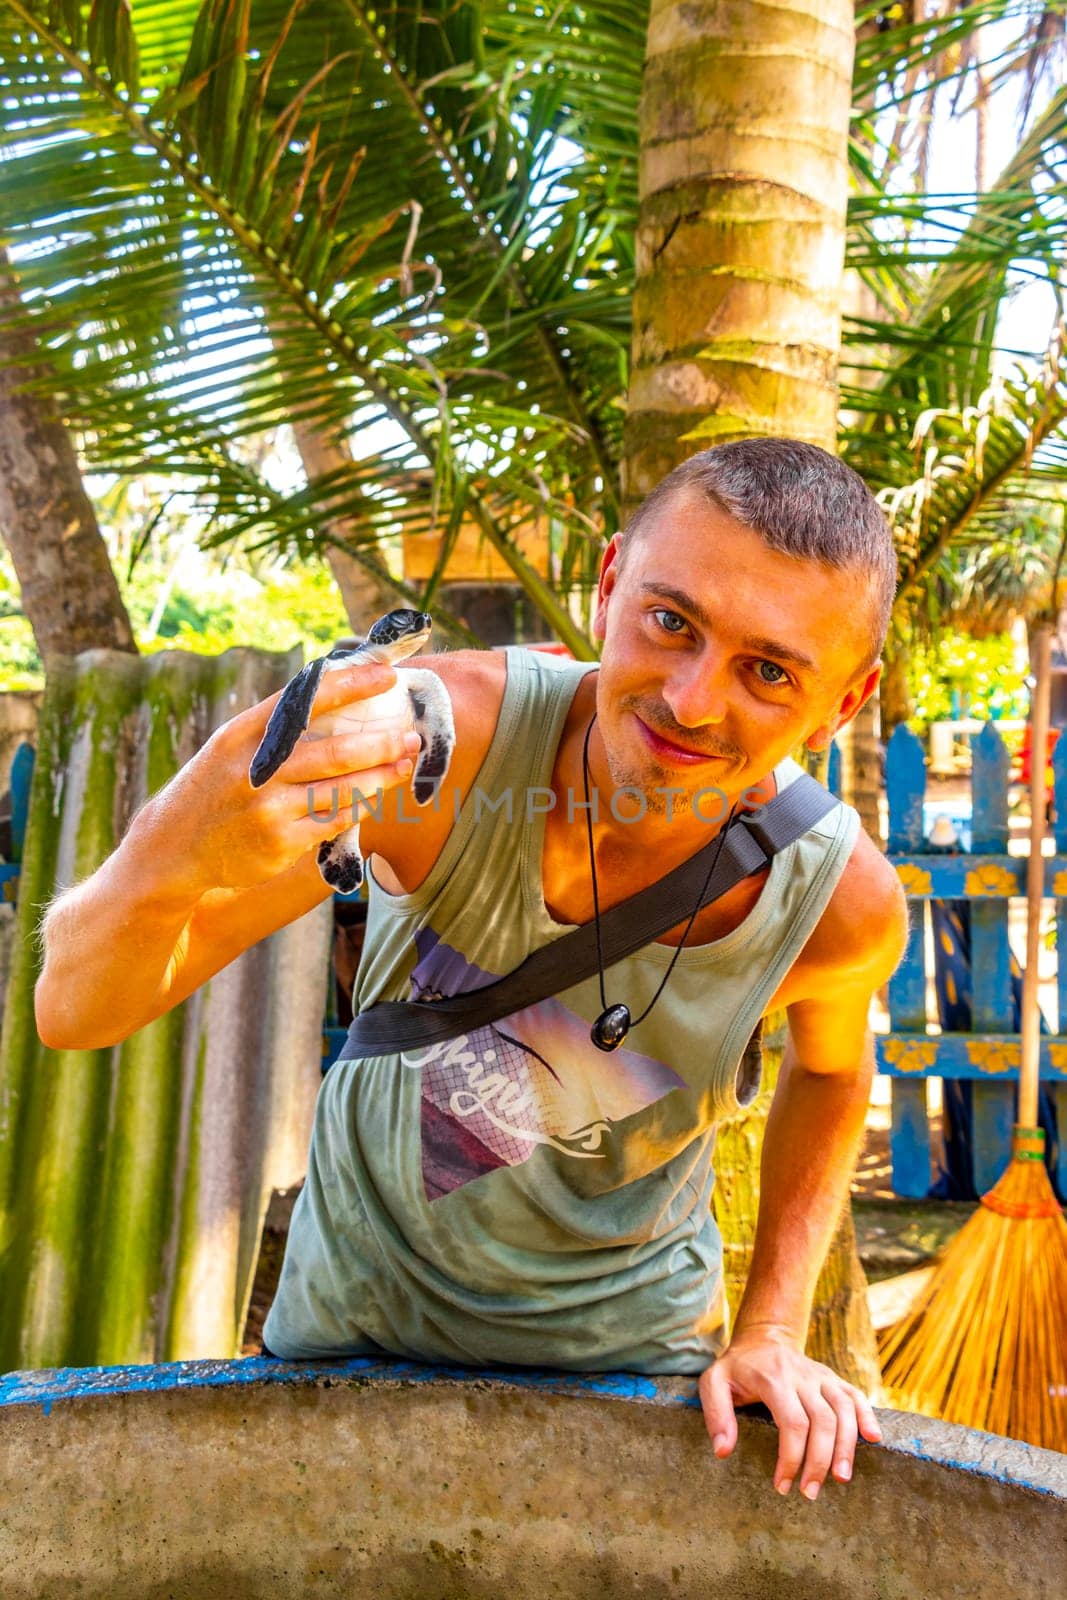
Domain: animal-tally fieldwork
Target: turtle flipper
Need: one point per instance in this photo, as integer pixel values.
(341, 861)
(287, 722)
(435, 726)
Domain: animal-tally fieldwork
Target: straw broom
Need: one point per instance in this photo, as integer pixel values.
(986, 1342)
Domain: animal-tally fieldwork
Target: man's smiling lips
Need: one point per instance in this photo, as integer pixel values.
(681, 755)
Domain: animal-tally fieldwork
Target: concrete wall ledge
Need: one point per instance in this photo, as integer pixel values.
(260, 1478)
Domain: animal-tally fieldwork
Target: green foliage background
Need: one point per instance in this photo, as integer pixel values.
(281, 605)
(963, 677)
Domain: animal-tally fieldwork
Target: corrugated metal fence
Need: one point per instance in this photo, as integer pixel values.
(134, 1180)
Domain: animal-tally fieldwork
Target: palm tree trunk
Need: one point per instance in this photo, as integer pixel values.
(894, 692)
(740, 240)
(363, 580)
(861, 768)
(740, 246)
(69, 590)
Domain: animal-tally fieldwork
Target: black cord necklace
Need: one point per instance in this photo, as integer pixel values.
(614, 1022)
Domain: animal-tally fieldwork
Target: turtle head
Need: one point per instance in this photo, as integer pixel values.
(400, 632)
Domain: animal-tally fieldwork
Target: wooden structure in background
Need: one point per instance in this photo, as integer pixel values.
(473, 559)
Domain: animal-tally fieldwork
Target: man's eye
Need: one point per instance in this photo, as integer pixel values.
(668, 619)
(765, 667)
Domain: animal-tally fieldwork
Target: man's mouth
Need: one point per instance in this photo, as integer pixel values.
(680, 754)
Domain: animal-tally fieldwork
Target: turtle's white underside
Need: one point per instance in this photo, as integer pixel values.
(418, 699)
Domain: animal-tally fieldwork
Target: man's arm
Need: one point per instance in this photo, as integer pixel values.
(813, 1135)
(208, 867)
(134, 940)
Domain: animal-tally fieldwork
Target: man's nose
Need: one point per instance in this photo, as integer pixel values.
(697, 693)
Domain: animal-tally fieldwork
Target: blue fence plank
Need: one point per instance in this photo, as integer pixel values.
(992, 1006)
(1058, 887)
(986, 877)
(969, 876)
(994, 1117)
(983, 1057)
(905, 789)
(833, 770)
(907, 986)
(1059, 780)
(332, 1040)
(21, 778)
(909, 1131)
(909, 1139)
(990, 774)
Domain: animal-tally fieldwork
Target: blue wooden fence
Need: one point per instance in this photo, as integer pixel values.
(21, 776)
(986, 876)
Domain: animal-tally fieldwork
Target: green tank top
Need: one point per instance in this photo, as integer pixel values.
(515, 1194)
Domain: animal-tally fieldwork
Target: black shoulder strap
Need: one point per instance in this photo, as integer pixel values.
(750, 842)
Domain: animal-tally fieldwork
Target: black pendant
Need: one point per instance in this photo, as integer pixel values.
(611, 1028)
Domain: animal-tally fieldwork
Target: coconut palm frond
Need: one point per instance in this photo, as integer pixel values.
(414, 229)
(911, 58)
(1010, 574)
(974, 465)
(1038, 54)
(924, 421)
(940, 352)
(240, 212)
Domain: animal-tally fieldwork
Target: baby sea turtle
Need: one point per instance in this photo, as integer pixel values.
(419, 694)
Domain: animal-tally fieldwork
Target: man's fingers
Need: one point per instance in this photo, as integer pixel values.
(338, 688)
(818, 1415)
(318, 760)
(328, 806)
(821, 1436)
(869, 1425)
(793, 1424)
(844, 1405)
(717, 1399)
(343, 685)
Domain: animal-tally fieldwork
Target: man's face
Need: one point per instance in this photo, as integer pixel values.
(722, 655)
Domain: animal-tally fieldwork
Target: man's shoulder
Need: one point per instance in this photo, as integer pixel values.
(861, 935)
(867, 915)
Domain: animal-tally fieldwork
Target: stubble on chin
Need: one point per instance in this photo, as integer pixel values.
(663, 794)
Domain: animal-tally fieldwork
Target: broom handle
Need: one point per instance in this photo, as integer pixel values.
(1035, 876)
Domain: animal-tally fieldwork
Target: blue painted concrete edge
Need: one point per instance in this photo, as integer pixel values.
(44, 1388)
(1006, 1461)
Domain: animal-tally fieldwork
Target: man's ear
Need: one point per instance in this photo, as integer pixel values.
(609, 574)
(857, 696)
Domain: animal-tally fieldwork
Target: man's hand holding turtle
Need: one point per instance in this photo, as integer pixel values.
(237, 836)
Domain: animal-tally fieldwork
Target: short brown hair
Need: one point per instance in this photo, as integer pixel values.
(801, 500)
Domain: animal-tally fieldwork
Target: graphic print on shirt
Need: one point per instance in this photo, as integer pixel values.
(490, 1097)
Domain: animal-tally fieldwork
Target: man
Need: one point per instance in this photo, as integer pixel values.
(520, 1195)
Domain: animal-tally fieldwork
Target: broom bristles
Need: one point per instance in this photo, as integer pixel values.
(986, 1342)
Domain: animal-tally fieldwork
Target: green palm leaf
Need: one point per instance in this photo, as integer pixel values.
(424, 361)
(415, 225)
(974, 465)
